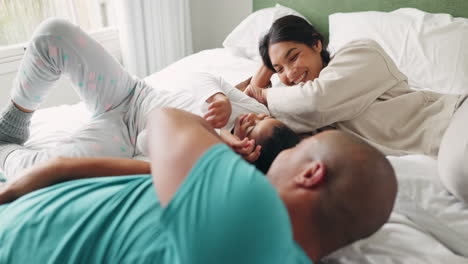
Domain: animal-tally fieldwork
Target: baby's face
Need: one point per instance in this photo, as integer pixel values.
(255, 126)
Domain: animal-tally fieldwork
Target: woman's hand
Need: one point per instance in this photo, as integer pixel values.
(260, 94)
(262, 78)
(243, 85)
(219, 110)
(246, 148)
(260, 81)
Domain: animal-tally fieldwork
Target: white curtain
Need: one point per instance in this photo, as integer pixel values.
(153, 33)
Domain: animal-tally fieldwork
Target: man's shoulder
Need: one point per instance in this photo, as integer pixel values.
(221, 170)
(227, 204)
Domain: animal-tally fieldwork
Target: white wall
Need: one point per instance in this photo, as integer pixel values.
(212, 20)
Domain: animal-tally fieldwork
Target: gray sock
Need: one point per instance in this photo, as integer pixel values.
(14, 125)
(14, 130)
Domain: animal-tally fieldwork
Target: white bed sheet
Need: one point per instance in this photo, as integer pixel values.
(428, 225)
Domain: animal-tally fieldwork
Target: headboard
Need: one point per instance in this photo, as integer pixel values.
(317, 11)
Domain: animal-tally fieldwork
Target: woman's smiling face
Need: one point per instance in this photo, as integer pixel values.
(255, 126)
(296, 62)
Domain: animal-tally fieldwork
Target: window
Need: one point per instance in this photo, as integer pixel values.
(19, 18)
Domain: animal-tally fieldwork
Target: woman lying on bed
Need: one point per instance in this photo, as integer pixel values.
(120, 104)
(361, 91)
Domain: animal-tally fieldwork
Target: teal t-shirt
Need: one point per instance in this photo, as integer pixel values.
(225, 212)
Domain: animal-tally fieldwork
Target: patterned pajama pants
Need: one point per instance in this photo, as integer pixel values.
(119, 101)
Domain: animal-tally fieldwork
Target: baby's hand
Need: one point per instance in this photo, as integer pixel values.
(219, 110)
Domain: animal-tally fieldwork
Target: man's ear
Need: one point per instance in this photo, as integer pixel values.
(312, 176)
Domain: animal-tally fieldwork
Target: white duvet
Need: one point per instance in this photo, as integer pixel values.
(428, 225)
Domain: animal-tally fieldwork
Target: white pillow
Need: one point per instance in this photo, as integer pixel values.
(244, 39)
(430, 49)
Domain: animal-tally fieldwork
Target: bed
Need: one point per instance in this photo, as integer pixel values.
(428, 224)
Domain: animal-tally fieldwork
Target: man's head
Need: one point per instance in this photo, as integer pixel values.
(271, 134)
(337, 189)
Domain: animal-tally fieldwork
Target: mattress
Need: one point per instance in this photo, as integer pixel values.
(428, 225)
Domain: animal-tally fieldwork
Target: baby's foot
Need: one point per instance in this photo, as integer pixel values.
(14, 130)
(14, 125)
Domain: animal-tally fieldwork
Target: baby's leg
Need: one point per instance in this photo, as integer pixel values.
(453, 155)
(59, 47)
(104, 136)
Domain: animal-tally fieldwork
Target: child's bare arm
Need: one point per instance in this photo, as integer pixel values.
(66, 169)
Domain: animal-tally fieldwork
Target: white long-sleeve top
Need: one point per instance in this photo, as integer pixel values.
(190, 93)
(208, 85)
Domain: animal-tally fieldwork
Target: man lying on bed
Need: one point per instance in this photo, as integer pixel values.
(211, 205)
(120, 103)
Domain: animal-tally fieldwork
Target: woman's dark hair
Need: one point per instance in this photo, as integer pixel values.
(282, 137)
(291, 28)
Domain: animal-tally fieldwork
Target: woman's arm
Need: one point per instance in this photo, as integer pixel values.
(357, 75)
(261, 79)
(66, 169)
(244, 84)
